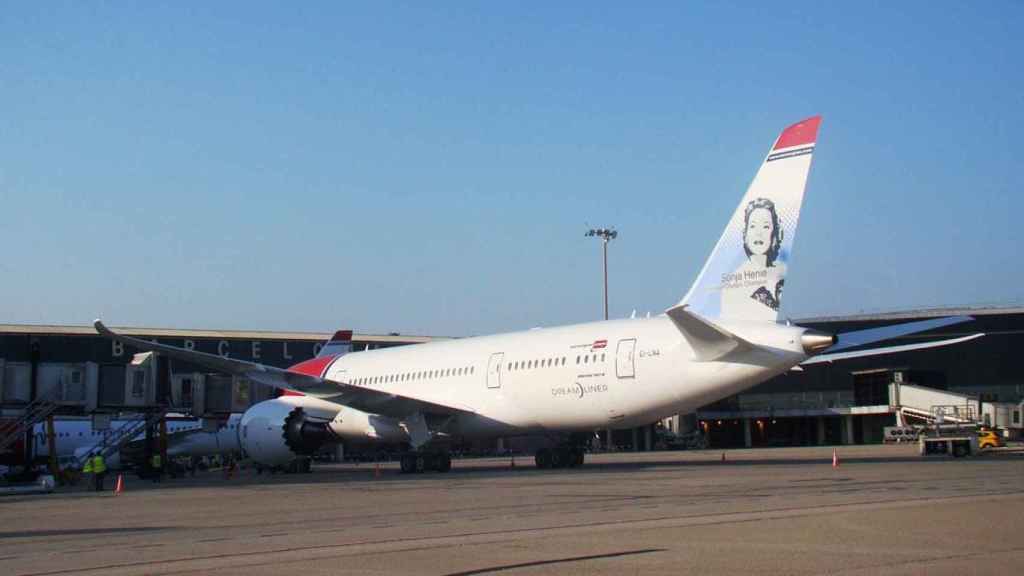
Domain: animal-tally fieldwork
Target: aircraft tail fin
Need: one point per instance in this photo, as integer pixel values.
(744, 276)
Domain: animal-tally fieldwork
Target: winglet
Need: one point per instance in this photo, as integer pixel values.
(709, 341)
(339, 344)
(98, 325)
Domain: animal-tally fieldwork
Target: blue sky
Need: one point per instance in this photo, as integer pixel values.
(431, 168)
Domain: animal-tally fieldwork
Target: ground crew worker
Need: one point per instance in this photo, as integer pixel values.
(99, 471)
(158, 468)
(87, 467)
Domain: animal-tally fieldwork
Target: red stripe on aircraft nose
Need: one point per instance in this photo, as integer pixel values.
(803, 132)
(313, 367)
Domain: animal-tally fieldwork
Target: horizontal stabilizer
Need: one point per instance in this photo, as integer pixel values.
(856, 338)
(832, 357)
(709, 341)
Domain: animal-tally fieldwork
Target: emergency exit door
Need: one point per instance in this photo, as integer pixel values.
(624, 358)
(494, 370)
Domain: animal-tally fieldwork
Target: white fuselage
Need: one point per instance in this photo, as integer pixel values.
(609, 374)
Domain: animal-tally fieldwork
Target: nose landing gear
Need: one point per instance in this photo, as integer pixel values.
(417, 462)
(559, 457)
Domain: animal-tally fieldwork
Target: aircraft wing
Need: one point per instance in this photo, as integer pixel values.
(359, 397)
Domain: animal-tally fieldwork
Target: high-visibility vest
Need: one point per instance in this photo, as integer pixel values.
(87, 468)
(156, 460)
(98, 465)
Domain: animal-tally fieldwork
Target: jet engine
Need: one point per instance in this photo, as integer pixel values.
(276, 432)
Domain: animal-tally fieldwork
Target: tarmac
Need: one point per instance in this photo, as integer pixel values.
(884, 510)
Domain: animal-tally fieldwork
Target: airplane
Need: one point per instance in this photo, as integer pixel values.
(722, 338)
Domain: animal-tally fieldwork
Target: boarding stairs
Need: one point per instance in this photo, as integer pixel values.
(32, 414)
(115, 439)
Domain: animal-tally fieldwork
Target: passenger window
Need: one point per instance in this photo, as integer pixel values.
(602, 356)
(586, 358)
(577, 359)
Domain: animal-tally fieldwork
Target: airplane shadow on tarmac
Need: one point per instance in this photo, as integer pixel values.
(524, 468)
(466, 468)
(82, 531)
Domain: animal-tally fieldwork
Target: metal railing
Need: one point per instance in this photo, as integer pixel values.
(32, 414)
(116, 438)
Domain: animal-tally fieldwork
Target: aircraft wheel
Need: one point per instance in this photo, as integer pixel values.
(408, 464)
(559, 458)
(421, 463)
(444, 462)
(543, 458)
(576, 458)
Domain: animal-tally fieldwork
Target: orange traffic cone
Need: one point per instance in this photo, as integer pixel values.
(119, 485)
(376, 471)
(835, 458)
(723, 456)
(512, 462)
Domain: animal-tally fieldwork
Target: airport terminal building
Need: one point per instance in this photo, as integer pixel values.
(845, 402)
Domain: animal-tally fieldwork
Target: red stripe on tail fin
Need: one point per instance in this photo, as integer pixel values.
(803, 132)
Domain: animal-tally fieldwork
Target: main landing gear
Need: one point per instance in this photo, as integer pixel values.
(417, 462)
(559, 457)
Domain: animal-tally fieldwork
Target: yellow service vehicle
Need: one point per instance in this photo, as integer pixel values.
(989, 439)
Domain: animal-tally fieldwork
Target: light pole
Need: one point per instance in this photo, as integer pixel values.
(606, 235)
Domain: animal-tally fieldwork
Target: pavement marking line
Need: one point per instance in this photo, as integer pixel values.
(919, 563)
(315, 552)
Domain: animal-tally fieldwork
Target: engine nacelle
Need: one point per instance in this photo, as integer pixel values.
(276, 432)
